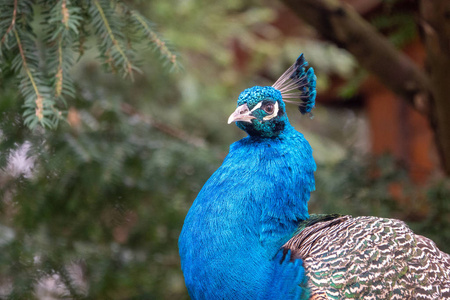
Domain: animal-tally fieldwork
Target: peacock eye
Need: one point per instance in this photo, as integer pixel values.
(268, 108)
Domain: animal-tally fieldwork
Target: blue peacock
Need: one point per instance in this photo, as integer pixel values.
(248, 234)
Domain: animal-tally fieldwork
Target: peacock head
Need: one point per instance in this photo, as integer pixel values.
(261, 111)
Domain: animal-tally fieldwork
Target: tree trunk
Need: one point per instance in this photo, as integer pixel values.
(435, 23)
(341, 24)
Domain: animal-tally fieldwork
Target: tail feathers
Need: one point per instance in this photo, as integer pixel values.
(298, 85)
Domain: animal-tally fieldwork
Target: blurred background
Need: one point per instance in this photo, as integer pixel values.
(93, 208)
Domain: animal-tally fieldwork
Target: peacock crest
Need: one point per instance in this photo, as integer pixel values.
(298, 85)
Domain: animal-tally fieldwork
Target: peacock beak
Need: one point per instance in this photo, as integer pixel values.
(242, 113)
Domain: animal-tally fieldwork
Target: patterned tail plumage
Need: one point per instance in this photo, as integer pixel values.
(371, 258)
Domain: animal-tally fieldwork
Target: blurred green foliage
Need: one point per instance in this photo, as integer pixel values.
(361, 185)
(96, 208)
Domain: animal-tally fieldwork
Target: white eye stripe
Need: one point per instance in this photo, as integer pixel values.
(256, 106)
(274, 114)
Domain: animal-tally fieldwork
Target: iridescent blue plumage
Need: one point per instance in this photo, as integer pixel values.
(252, 96)
(231, 239)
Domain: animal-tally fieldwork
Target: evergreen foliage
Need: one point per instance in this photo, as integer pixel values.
(41, 40)
(100, 214)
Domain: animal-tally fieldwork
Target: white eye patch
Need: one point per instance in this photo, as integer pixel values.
(271, 116)
(274, 114)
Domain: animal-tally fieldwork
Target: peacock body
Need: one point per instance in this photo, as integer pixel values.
(369, 258)
(248, 234)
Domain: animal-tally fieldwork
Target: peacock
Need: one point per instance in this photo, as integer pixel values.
(248, 234)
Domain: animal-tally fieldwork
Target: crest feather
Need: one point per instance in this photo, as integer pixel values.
(298, 85)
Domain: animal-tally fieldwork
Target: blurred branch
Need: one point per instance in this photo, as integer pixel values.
(342, 25)
(428, 93)
(171, 131)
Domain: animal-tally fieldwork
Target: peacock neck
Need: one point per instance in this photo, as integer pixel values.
(278, 177)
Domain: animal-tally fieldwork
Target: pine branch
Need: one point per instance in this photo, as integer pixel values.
(11, 26)
(63, 21)
(59, 74)
(153, 37)
(39, 98)
(44, 71)
(112, 47)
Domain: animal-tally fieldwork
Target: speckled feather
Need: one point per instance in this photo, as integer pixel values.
(370, 258)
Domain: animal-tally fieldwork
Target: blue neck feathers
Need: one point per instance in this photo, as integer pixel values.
(245, 212)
